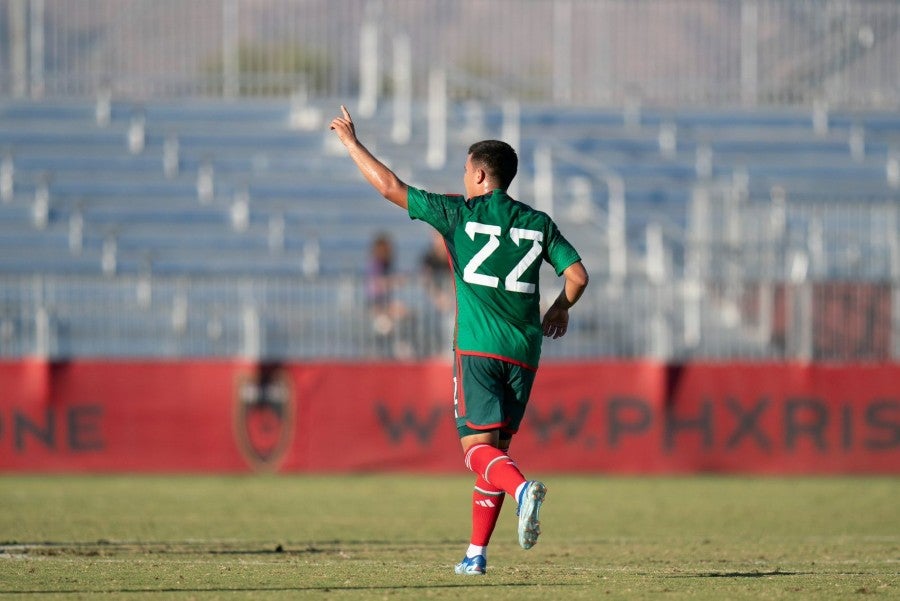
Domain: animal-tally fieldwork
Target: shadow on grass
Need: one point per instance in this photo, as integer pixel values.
(158, 548)
(469, 583)
(753, 574)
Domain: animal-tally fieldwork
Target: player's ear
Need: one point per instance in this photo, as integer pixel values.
(480, 175)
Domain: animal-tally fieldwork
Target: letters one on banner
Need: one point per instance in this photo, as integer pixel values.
(628, 417)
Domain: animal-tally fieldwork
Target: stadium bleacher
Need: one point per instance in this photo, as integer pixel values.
(94, 198)
(287, 174)
(87, 170)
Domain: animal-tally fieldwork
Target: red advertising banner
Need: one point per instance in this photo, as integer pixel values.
(622, 417)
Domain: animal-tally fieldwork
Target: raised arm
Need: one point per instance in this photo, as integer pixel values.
(556, 320)
(376, 173)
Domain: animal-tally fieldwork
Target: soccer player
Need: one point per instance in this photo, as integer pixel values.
(496, 245)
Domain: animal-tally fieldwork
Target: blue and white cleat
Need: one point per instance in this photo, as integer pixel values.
(530, 499)
(472, 566)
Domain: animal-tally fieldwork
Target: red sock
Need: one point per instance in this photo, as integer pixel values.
(487, 500)
(495, 467)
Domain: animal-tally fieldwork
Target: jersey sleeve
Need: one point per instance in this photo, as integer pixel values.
(559, 252)
(438, 210)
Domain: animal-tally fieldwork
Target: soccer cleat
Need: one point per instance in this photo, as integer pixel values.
(530, 500)
(472, 566)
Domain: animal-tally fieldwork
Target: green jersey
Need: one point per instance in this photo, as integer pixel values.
(496, 246)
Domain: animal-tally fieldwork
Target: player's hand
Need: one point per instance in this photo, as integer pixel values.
(556, 321)
(343, 127)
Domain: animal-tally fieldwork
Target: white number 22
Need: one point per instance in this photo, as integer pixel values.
(512, 282)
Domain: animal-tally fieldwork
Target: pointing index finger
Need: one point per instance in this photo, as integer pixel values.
(346, 112)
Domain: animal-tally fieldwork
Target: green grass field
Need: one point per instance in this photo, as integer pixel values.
(398, 536)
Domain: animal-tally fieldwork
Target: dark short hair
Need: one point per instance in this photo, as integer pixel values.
(498, 159)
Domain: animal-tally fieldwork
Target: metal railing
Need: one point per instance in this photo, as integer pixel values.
(568, 52)
(329, 318)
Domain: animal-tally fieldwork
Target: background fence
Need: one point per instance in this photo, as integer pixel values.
(278, 318)
(568, 52)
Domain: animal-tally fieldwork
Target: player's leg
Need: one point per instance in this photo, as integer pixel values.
(529, 495)
(475, 393)
(481, 390)
(495, 395)
(490, 400)
(487, 501)
(494, 465)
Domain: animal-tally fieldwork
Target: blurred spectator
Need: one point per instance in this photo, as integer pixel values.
(391, 320)
(438, 284)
